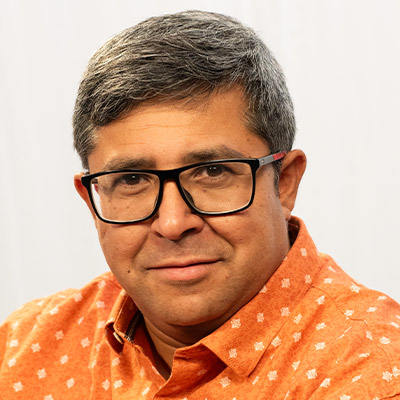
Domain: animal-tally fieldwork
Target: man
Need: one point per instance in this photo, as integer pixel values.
(185, 127)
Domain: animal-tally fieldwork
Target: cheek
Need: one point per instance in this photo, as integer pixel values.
(267, 203)
(262, 227)
(244, 232)
(120, 245)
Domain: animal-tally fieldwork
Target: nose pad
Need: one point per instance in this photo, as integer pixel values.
(189, 197)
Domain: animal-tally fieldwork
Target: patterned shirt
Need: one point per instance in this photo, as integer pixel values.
(312, 332)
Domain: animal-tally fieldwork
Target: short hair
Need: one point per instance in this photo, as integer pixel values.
(183, 56)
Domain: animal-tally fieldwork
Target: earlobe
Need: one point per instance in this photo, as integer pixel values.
(292, 170)
(83, 192)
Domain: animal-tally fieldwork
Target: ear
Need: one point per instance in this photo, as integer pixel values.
(83, 192)
(292, 170)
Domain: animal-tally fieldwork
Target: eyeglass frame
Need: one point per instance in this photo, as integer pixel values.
(173, 174)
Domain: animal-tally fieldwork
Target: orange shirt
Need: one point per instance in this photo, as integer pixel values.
(311, 333)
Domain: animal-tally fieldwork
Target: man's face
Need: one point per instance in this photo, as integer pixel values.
(180, 268)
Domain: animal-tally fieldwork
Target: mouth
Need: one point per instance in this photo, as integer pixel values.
(184, 271)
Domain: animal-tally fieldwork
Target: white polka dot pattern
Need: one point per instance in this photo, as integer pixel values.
(310, 332)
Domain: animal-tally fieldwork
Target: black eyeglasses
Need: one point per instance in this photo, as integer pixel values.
(210, 188)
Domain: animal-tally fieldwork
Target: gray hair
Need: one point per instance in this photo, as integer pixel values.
(183, 56)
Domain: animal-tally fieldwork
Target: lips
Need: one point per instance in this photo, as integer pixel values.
(184, 271)
(183, 264)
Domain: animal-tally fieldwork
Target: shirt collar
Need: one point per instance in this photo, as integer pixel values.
(122, 321)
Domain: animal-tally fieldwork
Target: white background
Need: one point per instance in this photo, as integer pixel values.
(342, 62)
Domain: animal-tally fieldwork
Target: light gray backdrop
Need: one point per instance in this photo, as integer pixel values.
(342, 62)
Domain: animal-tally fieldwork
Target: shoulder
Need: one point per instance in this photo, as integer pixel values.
(355, 302)
(57, 312)
(356, 334)
(54, 338)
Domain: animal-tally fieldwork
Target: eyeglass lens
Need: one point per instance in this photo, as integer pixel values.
(210, 188)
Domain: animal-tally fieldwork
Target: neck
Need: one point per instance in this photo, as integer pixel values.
(164, 347)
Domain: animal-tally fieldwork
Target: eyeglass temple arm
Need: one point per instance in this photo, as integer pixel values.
(271, 158)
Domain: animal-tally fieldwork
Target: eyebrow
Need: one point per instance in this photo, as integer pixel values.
(129, 163)
(216, 153)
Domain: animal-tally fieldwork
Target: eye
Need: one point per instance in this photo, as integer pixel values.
(211, 171)
(121, 182)
(129, 179)
(215, 170)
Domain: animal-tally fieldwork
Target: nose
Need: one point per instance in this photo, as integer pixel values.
(174, 218)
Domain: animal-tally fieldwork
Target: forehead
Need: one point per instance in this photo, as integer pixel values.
(172, 134)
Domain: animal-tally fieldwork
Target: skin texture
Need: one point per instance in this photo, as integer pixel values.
(188, 273)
